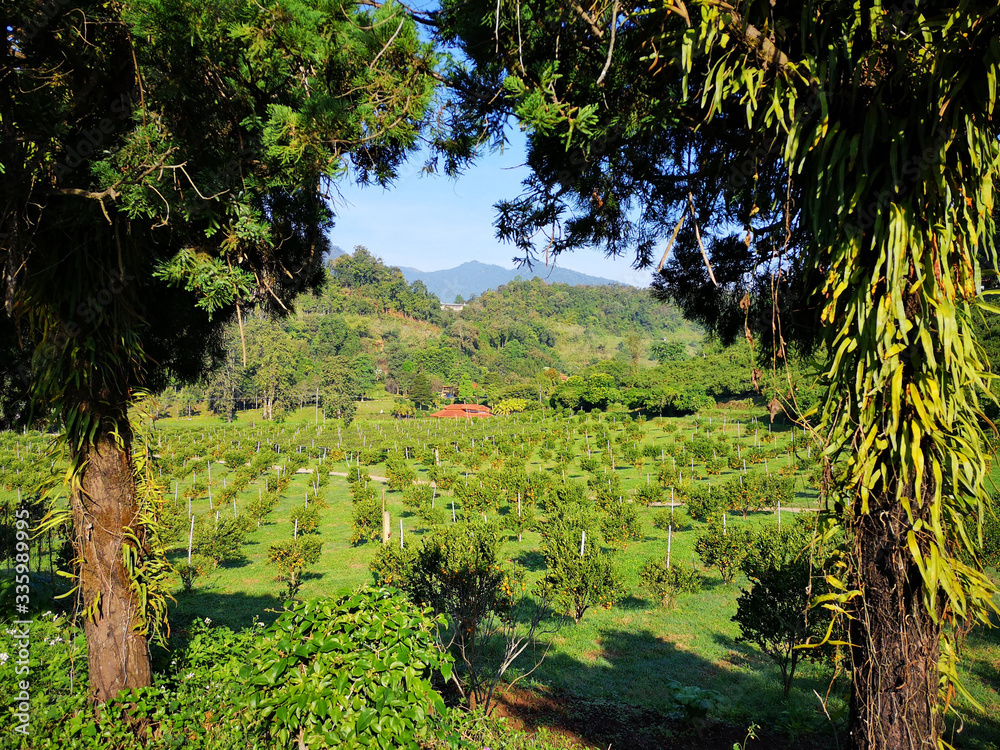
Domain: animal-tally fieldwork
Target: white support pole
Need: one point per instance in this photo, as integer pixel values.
(670, 538)
(190, 539)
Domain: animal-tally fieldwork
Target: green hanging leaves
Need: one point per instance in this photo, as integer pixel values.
(214, 284)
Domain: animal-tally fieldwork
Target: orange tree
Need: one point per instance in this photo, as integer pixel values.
(164, 167)
(821, 175)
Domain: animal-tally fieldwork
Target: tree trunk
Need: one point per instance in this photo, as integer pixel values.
(896, 642)
(103, 505)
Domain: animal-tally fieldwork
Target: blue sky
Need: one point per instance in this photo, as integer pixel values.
(433, 222)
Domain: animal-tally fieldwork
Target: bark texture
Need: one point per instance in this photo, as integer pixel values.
(896, 642)
(103, 506)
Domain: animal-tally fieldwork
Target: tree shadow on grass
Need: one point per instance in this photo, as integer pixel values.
(632, 603)
(533, 560)
(627, 693)
(975, 729)
(235, 611)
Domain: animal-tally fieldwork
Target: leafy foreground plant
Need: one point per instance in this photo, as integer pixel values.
(489, 620)
(353, 671)
(776, 611)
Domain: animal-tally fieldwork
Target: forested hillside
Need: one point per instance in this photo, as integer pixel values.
(367, 327)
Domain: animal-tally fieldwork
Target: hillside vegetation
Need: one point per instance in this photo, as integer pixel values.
(368, 327)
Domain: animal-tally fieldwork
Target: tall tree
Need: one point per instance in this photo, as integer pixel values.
(164, 167)
(856, 146)
(421, 393)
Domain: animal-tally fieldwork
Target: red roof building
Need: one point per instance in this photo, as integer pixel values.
(463, 411)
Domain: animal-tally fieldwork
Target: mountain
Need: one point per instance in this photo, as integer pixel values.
(474, 278)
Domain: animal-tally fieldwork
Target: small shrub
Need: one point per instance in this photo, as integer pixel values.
(577, 582)
(366, 519)
(307, 518)
(433, 515)
(518, 524)
(220, 537)
(357, 475)
(704, 504)
(261, 506)
(620, 525)
(398, 475)
(291, 557)
(723, 548)
(774, 614)
(696, 703)
(647, 494)
(200, 565)
(666, 475)
(676, 517)
(665, 584)
(391, 566)
(416, 497)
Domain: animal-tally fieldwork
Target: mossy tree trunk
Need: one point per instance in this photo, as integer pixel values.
(106, 521)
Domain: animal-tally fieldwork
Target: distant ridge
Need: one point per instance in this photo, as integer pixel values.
(473, 278)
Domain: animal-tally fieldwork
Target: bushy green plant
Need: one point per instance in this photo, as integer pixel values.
(416, 497)
(753, 492)
(475, 498)
(704, 503)
(785, 569)
(295, 461)
(723, 548)
(357, 475)
(220, 537)
(457, 570)
(517, 523)
(237, 457)
(349, 672)
(261, 506)
(307, 518)
(664, 518)
(366, 517)
(391, 566)
(666, 475)
(647, 494)
(620, 524)
(665, 584)
(576, 581)
(291, 557)
(695, 703)
(398, 475)
(199, 566)
(607, 489)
